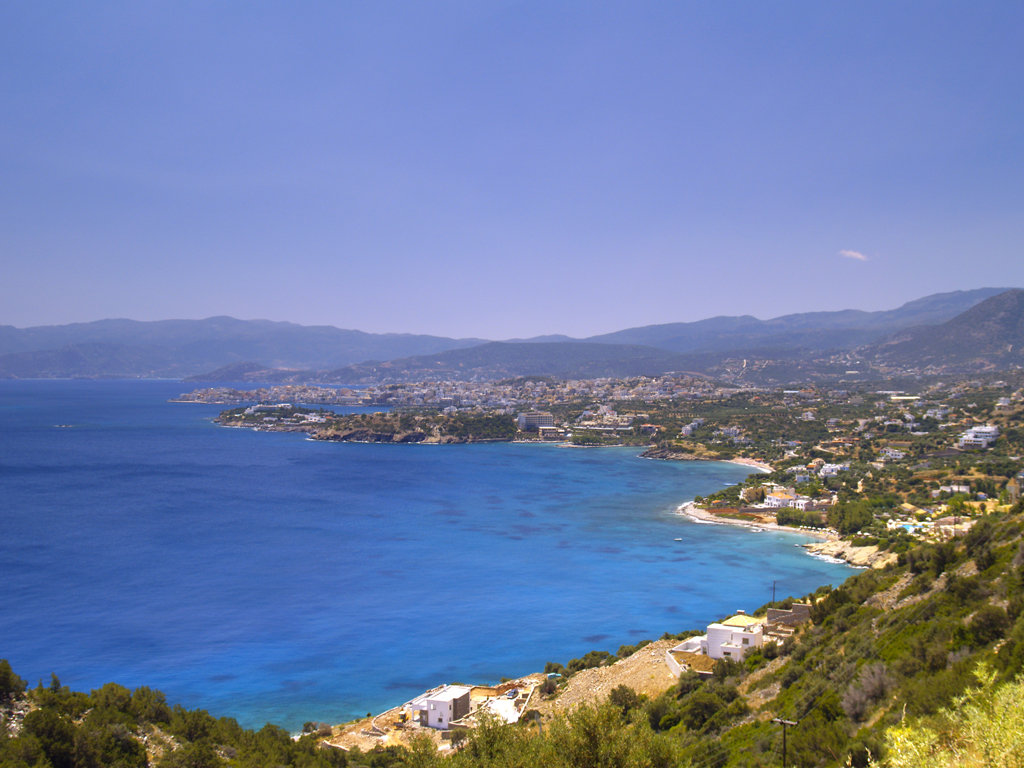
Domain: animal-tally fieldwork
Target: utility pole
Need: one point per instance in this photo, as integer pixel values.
(783, 723)
(540, 723)
(773, 594)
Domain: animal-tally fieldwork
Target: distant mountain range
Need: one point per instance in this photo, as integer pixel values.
(493, 360)
(844, 329)
(259, 350)
(988, 336)
(179, 348)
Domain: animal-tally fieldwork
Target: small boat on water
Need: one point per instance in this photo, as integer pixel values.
(678, 539)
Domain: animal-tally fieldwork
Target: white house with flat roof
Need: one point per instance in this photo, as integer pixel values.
(728, 639)
(831, 470)
(978, 437)
(779, 500)
(438, 708)
(733, 637)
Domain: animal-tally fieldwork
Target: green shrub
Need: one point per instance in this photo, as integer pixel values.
(10, 684)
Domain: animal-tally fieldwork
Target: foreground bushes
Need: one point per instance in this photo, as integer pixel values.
(984, 727)
(588, 737)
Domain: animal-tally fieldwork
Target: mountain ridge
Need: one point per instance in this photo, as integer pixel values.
(986, 336)
(187, 348)
(811, 330)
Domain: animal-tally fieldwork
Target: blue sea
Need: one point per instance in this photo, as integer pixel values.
(273, 578)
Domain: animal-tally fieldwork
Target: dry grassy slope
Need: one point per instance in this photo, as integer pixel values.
(645, 672)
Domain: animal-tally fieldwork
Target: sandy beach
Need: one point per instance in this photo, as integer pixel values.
(753, 463)
(698, 515)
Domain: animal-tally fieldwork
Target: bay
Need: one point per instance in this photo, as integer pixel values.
(272, 578)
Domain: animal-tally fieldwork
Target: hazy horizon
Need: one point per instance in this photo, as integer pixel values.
(415, 332)
(504, 169)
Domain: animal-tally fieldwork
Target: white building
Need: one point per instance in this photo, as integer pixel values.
(730, 639)
(438, 708)
(831, 470)
(264, 407)
(978, 437)
(779, 500)
(952, 489)
(733, 637)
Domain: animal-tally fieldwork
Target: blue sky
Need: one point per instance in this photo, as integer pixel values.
(504, 169)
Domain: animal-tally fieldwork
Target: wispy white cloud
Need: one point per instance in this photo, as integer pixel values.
(853, 255)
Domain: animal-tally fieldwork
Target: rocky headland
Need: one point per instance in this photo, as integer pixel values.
(862, 557)
(385, 427)
(370, 436)
(670, 454)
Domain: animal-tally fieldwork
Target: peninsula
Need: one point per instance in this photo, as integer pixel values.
(393, 427)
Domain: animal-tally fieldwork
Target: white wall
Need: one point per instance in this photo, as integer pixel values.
(724, 641)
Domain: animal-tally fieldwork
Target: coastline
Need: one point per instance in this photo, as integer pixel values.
(759, 465)
(829, 545)
(306, 467)
(697, 515)
(670, 454)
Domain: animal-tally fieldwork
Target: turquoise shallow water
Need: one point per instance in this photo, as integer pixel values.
(273, 578)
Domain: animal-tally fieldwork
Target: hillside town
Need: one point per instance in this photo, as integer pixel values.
(535, 392)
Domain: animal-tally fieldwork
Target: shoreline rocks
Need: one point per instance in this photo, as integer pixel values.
(862, 557)
(369, 436)
(670, 454)
(667, 454)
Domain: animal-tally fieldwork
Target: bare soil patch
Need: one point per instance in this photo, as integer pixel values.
(645, 672)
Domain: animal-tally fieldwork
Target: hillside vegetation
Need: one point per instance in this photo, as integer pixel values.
(389, 427)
